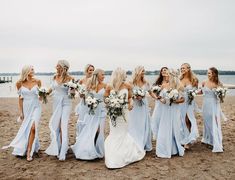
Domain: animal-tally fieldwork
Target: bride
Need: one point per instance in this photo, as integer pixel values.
(120, 147)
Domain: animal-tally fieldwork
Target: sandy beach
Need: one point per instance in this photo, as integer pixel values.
(197, 163)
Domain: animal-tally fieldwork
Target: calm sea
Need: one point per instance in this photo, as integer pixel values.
(9, 89)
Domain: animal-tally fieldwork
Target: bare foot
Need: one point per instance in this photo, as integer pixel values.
(29, 158)
(186, 146)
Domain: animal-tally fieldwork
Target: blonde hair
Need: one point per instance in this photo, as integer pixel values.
(174, 80)
(192, 77)
(93, 80)
(137, 75)
(65, 66)
(117, 78)
(25, 73)
(87, 67)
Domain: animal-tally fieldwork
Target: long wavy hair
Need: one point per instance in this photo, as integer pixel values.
(215, 76)
(117, 78)
(159, 79)
(192, 77)
(25, 73)
(174, 80)
(137, 75)
(93, 80)
(65, 66)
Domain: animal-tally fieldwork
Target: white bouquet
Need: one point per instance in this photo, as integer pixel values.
(42, 93)
(115, 106)
(82, 90)
(73, 87)
(156, 90)
(172, 95)
(139, 94)
(191, 95)
(92, 103)
(220, 92)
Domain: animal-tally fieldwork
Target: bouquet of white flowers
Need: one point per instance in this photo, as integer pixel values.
(139, 94)
(92, 103)
(172, 95)
(156, 90)
(220, 92)
(115, 106)
(73, 86)
(191, 95)
(42, 93)
(82, 90)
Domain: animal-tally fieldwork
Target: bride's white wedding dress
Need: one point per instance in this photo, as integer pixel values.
(120, 148)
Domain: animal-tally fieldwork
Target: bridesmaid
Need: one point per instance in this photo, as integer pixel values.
(162, 79)
(90, 141)
(168, 138)
(26, 141)
(81, 108)
(189, 122)
(212, 112)
(139, 118)
(61, 112)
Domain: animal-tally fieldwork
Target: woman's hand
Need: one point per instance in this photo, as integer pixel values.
(139, 98)
(178, 101)
(82, 96)
(162, 100)
(158, 97)
(21, 116)
(130, 107)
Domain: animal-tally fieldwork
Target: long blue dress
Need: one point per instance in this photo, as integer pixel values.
(168, 138)
(87, 147)
(32, 114)
(188, 110)
(62, 106)
(156, 116)
(139, 124)
(80, 110)
(212, 115)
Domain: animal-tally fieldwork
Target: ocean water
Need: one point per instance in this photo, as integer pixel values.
(9, 89)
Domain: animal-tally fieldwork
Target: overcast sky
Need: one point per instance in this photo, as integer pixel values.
(111, 33)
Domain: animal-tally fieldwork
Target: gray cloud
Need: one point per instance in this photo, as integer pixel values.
(109, 33)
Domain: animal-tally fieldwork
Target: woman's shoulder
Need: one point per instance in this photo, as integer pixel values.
(18, 84)
(127, 85)
(70, 78)
(104, 85)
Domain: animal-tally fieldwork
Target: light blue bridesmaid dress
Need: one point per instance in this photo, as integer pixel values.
(168, 138)
(80, 110)
(89, 145)
(32, 114)
(58, 124)
(139, 124)
(155, 119)
(212, 115)
(188, 110)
